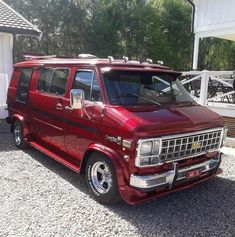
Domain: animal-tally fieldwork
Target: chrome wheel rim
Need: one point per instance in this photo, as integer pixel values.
(17, 134)
(101, 177)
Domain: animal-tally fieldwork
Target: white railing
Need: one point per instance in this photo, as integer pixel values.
(213, 89)
(210, 86)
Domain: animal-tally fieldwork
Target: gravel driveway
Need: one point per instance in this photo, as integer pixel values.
(40, 197)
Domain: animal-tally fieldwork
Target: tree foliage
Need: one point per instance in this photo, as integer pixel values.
(139, 29)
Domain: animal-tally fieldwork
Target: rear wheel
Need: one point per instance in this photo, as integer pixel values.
(101, 179)
(18, 135)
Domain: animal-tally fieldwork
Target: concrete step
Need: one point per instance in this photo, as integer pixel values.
(228, 151)
(230, 142)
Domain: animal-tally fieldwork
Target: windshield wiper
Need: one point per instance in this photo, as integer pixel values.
(135, 95)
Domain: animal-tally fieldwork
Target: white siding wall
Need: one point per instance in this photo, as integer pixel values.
(214, 12)
(6, 67)
(214, 17)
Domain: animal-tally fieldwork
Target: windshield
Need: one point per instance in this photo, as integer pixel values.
(132, 88)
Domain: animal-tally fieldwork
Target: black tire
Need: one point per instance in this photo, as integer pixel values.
(18, 135)
(108, 192)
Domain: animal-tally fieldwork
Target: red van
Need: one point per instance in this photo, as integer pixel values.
(130, 127)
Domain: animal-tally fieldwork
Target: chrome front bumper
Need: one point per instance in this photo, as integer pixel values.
(171, 177)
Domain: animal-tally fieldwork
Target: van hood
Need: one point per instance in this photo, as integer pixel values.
(164, 120)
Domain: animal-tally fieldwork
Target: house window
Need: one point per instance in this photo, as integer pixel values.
(23, 85)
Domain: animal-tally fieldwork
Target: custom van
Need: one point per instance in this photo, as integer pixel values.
(130, 127)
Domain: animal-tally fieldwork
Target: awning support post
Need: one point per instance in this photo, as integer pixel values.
(196, 53)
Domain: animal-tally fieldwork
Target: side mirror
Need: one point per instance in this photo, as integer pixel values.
(77, 98)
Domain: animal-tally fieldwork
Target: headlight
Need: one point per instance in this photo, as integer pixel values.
(225, 134)
(146, 148)
(148, 153)
(156, 147)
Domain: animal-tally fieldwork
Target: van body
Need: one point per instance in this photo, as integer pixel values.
(130, 127)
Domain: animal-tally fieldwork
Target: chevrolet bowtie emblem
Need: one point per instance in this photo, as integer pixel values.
(196, 145)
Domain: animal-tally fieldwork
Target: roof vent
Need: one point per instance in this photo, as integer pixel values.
(110, 58)
(86, 56)
(125, 58)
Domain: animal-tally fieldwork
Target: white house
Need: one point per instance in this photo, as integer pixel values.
(11, 25)
(212, 18)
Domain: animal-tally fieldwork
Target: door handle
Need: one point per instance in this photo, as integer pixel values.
(59, 106)
(69, 108)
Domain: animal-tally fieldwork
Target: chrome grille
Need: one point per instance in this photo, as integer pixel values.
(182, 146)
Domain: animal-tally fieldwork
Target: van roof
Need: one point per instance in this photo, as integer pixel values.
(89, 62)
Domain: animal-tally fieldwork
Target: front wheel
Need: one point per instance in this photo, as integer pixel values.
(18, 135)
(101, 179)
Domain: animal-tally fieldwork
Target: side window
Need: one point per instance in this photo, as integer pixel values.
(53, 80)
(23, 85)
(45, 79)
(87, 81)
(59, 81)
(83, 81)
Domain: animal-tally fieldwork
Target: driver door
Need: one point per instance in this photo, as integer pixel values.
(83, 125)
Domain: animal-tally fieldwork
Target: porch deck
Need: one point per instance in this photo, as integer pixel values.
(216, 91)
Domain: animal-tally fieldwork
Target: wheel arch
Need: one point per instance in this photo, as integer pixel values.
(19, 117)
(115, 158)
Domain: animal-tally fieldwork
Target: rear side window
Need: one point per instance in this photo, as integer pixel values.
(23, 85)
(45, 79)
(53, 80)
(59, 81)
(87, 81)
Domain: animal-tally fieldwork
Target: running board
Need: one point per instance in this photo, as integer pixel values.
(55, 156)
